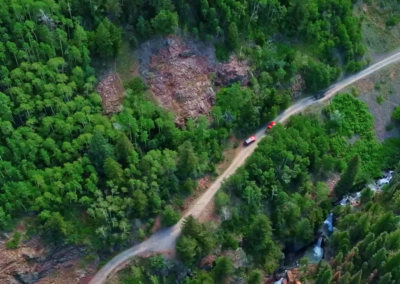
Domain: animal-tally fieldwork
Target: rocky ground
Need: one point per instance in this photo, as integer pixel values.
(34, 262)
(183, 74)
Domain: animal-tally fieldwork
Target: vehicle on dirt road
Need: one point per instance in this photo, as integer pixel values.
(271, 124)
(167, 239)
(250, 140)
(319, 95)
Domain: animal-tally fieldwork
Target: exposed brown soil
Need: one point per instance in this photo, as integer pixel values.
(183, 74)
(298, 86)
(209, 214)
(167, 253)
(229, 155)
(332, 183)
(112, 93)
(34, 262)
(157, 224)
(365, 85)
(202, 184)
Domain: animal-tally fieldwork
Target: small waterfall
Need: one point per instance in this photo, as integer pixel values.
(319, 243)
(328, 225)
(318, 251)
(315, 254)
(279, 281)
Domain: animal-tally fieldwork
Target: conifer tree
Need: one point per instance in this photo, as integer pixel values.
(347, 178)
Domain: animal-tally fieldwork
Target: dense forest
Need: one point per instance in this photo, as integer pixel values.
(81, 177)
(278, 200)
(85, 175)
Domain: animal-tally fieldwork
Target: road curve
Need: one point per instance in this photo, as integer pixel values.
(166, 238)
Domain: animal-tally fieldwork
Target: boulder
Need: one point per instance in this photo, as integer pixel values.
(186, 54)
(234, 71)
(27, 278)
(207, 262)
(290, 277)
(30, 256)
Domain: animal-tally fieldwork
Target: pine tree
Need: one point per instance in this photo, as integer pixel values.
(170, 216)
(233, 35)
(113, 170)
(347, 179)
(356, 278)
(99, 150)
(223, 268)
(188, 162)
(108, 39)
(345, 279)
(187, 248)
(123, 148)
(165, 22)
(324, 277)
(385, 279)
(103, 40)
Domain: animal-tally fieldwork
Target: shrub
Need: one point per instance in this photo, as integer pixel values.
(141, 234)
(392, 21)
(389, 127)
(137, 85)
(221, 52)
(189, 186)
(170, 216)
(230, 242)
(396, 114)
(380, 99)
(221, 200)
(354, 91)
(13, 244)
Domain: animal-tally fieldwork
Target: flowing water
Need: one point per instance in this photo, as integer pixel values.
(316, 253)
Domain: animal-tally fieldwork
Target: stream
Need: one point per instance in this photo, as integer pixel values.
(314, 251)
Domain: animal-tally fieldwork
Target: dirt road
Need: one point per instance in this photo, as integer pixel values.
(166, 238)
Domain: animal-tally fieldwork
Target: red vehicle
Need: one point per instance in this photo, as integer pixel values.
(250, 140)
(271, 124)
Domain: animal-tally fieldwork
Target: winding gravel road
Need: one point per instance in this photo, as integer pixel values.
(165, 239)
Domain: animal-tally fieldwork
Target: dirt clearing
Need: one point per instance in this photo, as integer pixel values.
(183, 74)
(112, 93)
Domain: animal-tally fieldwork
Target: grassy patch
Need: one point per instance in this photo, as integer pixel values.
(349, 116)
(380, 99)
(126, 64)
(381, 34)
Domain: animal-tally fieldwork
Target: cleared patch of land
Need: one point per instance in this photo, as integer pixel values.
(111, 92)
